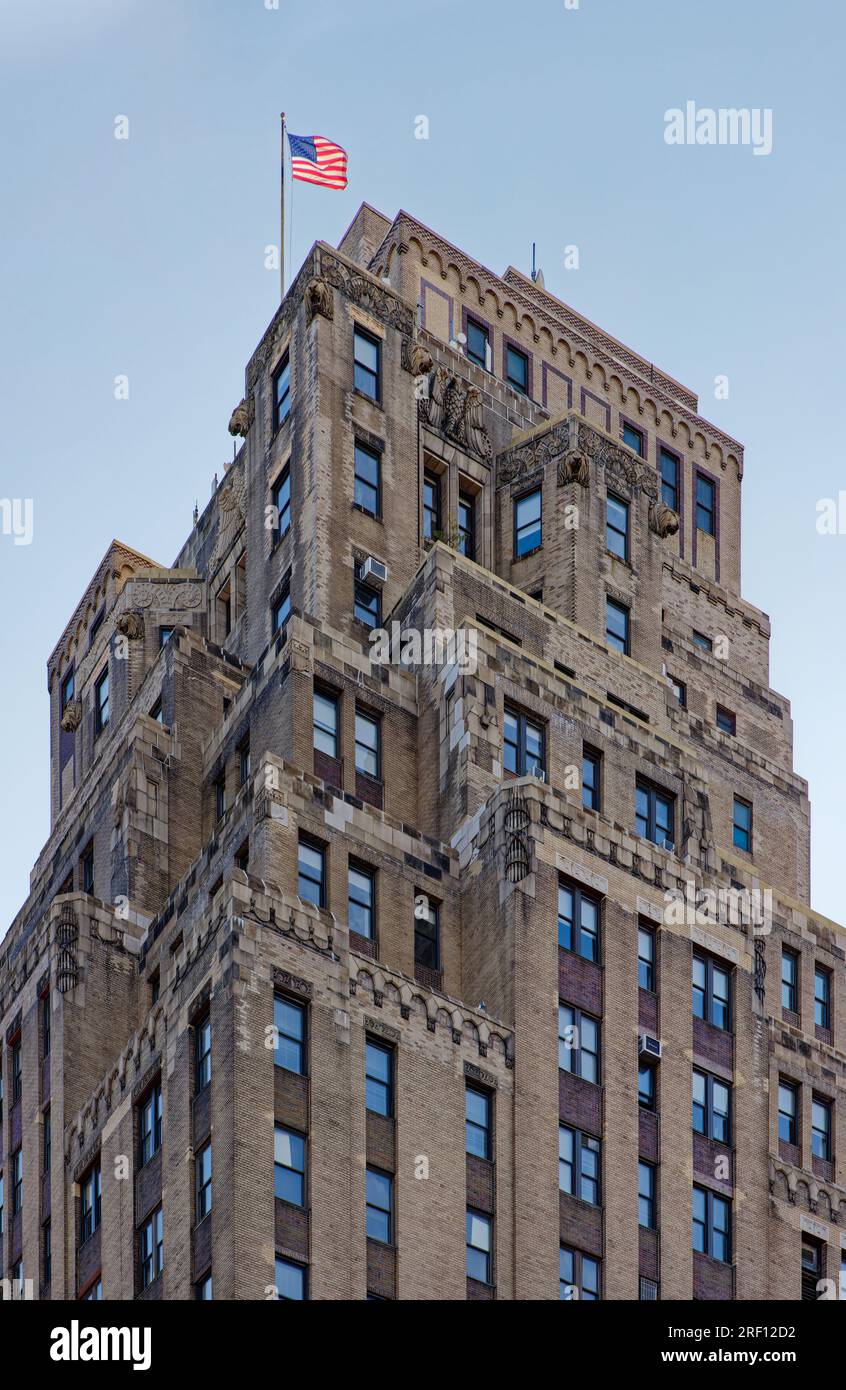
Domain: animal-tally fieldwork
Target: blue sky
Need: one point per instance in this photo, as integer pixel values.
(146, 258)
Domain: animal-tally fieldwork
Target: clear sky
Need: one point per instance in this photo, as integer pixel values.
(146, 257)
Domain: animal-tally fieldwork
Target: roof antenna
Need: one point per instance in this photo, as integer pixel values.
(537, 275)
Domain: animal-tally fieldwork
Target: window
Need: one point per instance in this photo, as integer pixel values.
(655, 814)
(151, 1124)
(648, 1292)
(165, 634)
(646, 958)
(367, 602)
(467, 526)
(203, 1289)
(361, 899)
(706, 505)
(202, 1053)
(617, 626)
(517, 369)
(646, 1187)
(646, 1086)
(326, 723)
(151, 1249)
(790, 981)
(821, 1128)
(811, 1269)
(578, 1164)
(742, 825)
(367, 354)
(711, 1224)
(617, 527)
(281, 609)
(578, 1043)
(726, 720)
(368, 743)
(669, 479)
(289, 1166)
(46, 1142)
(378, 1078)
(220, 798)
(478, 343)
(242, 856)
(679, 689)
(156, 712)
(523, 744)
(282, 392)
(67, 691)
(17, 1181)
(290, 1280)
(282, 501)
(633, 437)
(788, 1112)
(203, 1181)
(578, 1275)
(311, 883)
(47, 1251)
(17, 1071)
(711, 1107)
(578, 921)
(96, 625)
(289, 1021)
(822, 997)
(702, 642)
(379, 1202)
(101, 702)
(711, 998)
(367, 479)
(427, 935)
(431, 505)
(479, 1243)
(528, 523)
(87, 870)
(224, 608)
(244, 761)
(477, 1122)
(591, 789)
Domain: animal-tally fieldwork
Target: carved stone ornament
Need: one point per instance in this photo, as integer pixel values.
(663, 520)
(131, 625)
(455, 410)
(72, 717)
(416, 358)
(574, 468)
(231, 519)
(242, 417)
(318, 298)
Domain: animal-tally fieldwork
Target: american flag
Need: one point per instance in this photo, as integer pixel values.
(317, 160)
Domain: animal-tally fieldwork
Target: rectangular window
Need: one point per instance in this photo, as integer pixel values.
(467, 526)
(368, 484)
(151, 1249)
(523, 744)
(379, 1078)
(669, 479)
(617, 626)
(578, 921)
(579, 1158)
(326, 738)
(311, 881)
(17, 1181)
(90, 1203)
(578, 1275)
(101, 702)
(17, 1070)
(655, 814)
(646, 1189)
(203, 1289)
(646, 1086)
(578, 1043)
(711, 1224)
(633, 437)
(821, 1128)
(368, 743)
(726, 720)
(478, 344)
(811, 1269)
(646, 958)
(711, 992)
(282, 501)
(479, 1246)
(220, 798)
(46, 1142)
(477, 1122)
(679, 689)
(742, 825)
(282, 392)
(706, 505)
(367, 602)
(289, 1166)
(202, 1053)
(151, 1124)
(711, 1107)
(788, 1112)
(67, 691)
(244, 761)
(591, 780)
(822, 997)
(289, 1021)
(617, 527)
(702, 642)
(290, 1280)
(47, 1251)
(528, 523)
(427, 933)
(379, 1208)
(431, 505)
(367, 352)
(790, 981)
(517, 369)
(361, 900)
(165, 634)
(203, 1181)
(156, 712)
(281, 610)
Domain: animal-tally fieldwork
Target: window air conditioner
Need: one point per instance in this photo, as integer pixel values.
(374, 570)
(647, 1046)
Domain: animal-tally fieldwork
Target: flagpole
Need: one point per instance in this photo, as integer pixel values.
(282, 212)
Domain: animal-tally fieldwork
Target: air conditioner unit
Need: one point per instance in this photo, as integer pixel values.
(374, 570)
(650, 1047)
(488, 358)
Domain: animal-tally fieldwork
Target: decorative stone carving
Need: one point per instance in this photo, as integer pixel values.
(573, 468)
(416, 358)
(131, 626)
(318, 298)
(516, 825)
(67, 935)
(526, 458)
(456, 410)
(72, 717)
(169, 596)
(231, 519)
(242, 417)
(367, 293)
(663, 520)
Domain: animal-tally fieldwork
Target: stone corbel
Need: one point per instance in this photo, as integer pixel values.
(72, 716)
(242, 417)
(318, 298)
(131, 626)
(574, 468)
(663, 520)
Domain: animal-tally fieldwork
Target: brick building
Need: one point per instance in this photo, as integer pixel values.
(490, 976)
